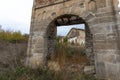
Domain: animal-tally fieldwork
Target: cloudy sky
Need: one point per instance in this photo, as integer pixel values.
(16, 14)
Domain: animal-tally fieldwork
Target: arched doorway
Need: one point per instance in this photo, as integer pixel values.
(103, 20)
(64, 20)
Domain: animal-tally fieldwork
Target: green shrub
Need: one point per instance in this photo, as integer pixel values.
(13, 37)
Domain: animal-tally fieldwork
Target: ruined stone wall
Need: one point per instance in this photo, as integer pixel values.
(103, 24)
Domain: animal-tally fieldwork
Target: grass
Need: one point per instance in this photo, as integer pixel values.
(64, 53)
(22, 73)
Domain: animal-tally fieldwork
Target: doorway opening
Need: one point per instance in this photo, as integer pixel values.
(69, 42)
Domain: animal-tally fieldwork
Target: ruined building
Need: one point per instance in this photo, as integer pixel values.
(102, 21)
(76, 36)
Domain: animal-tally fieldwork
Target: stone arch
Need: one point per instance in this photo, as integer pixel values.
(103, 24)
(52, 30)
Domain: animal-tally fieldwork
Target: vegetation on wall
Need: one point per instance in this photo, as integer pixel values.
(13, 37)
(13, 69)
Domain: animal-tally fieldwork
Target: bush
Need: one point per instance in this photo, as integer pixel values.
(13, 37)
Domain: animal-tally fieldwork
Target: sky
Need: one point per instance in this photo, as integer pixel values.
(15, 15)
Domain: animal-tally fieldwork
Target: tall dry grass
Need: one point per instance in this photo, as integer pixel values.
(67, 53)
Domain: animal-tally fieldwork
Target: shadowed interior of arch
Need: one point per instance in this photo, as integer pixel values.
(68, 20)
(65, 51)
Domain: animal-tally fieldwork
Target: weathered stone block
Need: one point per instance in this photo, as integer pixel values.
(89, 70)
